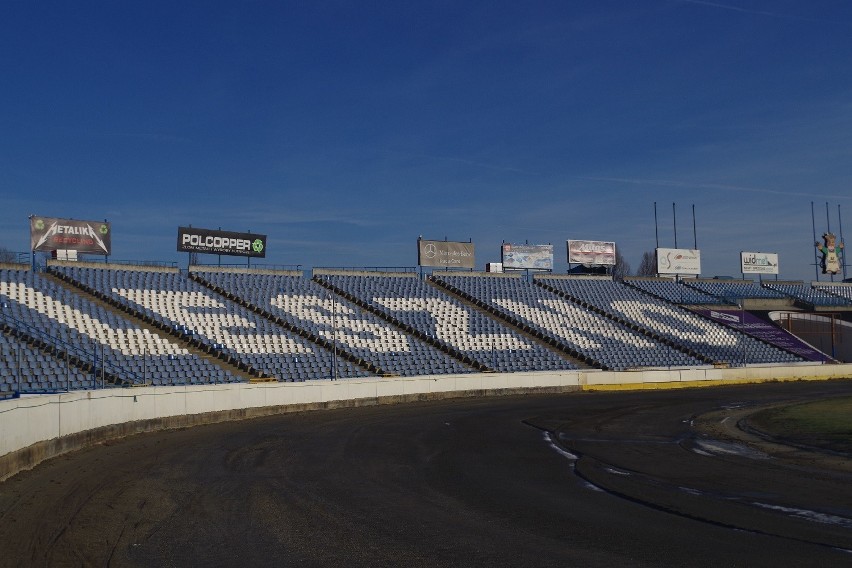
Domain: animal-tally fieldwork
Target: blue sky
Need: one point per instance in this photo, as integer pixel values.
(343, 130)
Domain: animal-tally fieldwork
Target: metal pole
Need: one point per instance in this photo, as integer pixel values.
(833, 330)
(694, 233)
(656, 227)
(334, 334)
(816, 243)
(18, 370)
(674, 220)
(103, 366)
(67, 372)
(828, 227)
(144, 366)
(742, 323)
(827, 219)
(843, 250)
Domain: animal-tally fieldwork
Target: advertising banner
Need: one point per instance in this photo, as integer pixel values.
(759, 262)
(678, 261)
(208, 241)
(48, 234)
(591, 253)
(752, 325)
(445, 254)
(533, 257)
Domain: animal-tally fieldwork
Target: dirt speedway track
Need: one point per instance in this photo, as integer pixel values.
(587, 479)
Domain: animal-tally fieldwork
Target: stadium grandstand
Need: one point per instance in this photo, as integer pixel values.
(86, 325)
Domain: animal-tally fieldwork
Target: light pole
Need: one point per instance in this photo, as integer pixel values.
(334, 333)
(330, 296)
(741, 304)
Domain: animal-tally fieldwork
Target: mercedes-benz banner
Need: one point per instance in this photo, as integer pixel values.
(444, 254)
(48, 234)
(209, 241)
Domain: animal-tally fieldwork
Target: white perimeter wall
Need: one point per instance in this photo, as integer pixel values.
(33, 419)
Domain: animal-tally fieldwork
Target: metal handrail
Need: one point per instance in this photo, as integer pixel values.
(156, 263)
(369, 268)
(13, 257)
(82, 355)
(253, 266)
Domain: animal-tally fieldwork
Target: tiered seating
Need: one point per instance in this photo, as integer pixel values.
(414, 303)
(125, 349)
(814, 295)
(733, 290)
(26, 369)
(681, 327)
(672, 291)
(307, 305)
(841, 290)
(172, 300)
(599, 339)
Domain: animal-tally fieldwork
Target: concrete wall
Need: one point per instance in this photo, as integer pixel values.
(35, 428)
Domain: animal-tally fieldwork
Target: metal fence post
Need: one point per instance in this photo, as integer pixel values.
(18, 370)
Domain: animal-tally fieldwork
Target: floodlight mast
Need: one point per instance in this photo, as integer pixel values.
(334, 334)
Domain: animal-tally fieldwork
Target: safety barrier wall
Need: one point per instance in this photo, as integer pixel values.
(34, 428)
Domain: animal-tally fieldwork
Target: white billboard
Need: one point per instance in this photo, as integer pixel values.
(591, 253)
(534, 257)
(759, 262)
(678, 261)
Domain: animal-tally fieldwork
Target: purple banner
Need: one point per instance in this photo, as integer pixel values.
(772, 334)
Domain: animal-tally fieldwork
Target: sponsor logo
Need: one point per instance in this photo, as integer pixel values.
(723, 316)
(71, 236)
(430, 251)
(214, 242)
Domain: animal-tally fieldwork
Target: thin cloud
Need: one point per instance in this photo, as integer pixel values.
(760, 12)
(705, 185)
(460, 161)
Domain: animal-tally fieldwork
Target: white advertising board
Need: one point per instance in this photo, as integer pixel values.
(759, 262)
(591, 253)
(678, 261)
(535, 257)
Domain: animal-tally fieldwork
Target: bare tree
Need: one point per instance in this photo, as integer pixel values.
(648, 266)
(621, 267)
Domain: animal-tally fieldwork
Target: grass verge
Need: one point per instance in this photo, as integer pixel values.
(823, 424)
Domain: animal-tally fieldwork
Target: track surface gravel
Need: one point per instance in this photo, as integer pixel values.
(658, 478)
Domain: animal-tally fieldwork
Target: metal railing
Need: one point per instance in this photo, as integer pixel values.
(100, 364)
(253, 266)
(412, 269)
(11, 257)
(154, 263)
